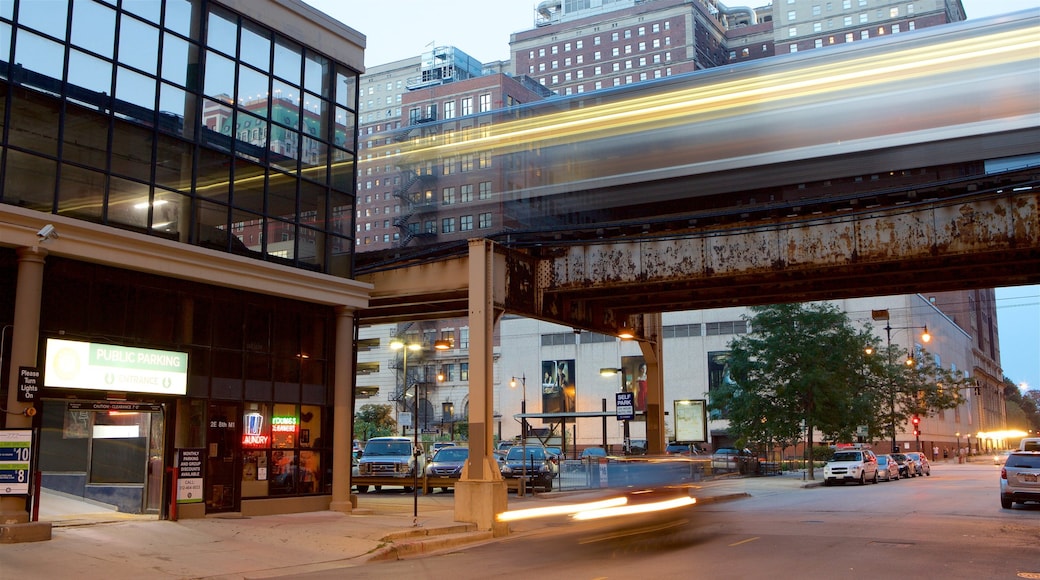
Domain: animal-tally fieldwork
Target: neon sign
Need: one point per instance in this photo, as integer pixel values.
(254, 426)
(283, 424)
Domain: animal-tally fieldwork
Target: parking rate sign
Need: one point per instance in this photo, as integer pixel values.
(15, 451)
(626, 406)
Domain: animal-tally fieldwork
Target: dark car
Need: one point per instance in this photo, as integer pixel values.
(448, 462)
(536, 465)
(733, 459)
(674, 448)
(1020, 478)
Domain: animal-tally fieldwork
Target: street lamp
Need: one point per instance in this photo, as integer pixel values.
(398, 344)
(609, 372)
(523, 431)
(925, 337)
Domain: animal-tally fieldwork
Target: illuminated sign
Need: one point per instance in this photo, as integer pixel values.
(283, 424)
(254, 428)
(108, 367)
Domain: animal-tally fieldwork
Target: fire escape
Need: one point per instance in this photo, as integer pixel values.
(418, 199)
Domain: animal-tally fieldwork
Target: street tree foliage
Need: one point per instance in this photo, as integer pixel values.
(374, 421)
(804, 367)
(1022, 411)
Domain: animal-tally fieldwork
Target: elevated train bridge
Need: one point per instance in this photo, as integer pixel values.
(894, 167)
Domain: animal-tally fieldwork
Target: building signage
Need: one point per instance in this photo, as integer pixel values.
(253, 436)
(28, 384)
(15, 452)
(626, 406)
(114, 406)
(108, 367)
(189, 477)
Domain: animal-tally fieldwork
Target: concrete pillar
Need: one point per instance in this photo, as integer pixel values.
(343, 410)
(481, 493)
(14, 518)
(653, 355)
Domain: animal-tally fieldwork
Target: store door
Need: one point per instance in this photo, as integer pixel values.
(223, 465)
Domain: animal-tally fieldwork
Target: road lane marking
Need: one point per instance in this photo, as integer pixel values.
(744, 541)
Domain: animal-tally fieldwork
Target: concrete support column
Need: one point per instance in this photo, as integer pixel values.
(481, 493)
(14, 519)
(343, 410)
(653, 355)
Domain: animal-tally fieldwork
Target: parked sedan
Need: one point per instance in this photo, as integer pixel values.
(920, 462)
(907, 467)
(448, 462)
(888, 468)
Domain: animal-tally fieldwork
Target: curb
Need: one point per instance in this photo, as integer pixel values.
(426, 545)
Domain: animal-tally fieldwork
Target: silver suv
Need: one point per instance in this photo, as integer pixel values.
(858, 465)
(1020, 478)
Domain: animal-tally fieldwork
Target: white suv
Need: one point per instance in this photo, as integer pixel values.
(858, 465)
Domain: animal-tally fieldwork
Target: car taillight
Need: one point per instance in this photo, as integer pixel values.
(1003, 473)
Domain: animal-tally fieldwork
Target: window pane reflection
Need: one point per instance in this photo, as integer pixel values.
(252, 91)
(315, 73)
(245, 228)
(281, 196)
(147, 9)
(288, 59)
(256, 46)
(134, 88)
(82, 193)
(29, 181)
(138, 44)
(90, 74)
(178, 16)
(166, 212)
(213, 175)
(36, 53)
(47, 17)
(128, 203)
(173, 103)
(222, 31)
(135, 151)
(173, 165)
(94, 28)
(34, 122)
(220, 76)
(346, 88)
(249, 186)
(175, 59)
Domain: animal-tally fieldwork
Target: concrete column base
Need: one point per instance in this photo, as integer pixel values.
(478, 502)
(25, 532)
(344, 506)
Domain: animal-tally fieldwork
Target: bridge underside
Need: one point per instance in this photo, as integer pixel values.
(984, 233)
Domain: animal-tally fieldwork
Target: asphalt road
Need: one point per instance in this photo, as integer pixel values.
(949, 526)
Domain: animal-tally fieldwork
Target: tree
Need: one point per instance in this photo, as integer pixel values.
(1022, 411)
(802, 367)
(374, 421)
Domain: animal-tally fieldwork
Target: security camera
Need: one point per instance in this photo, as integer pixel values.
(47, 232)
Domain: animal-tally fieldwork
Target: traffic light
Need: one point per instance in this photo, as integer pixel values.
(917, 422)
(916, 432)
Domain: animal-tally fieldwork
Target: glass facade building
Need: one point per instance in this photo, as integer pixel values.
(180, 119)
(194, 163)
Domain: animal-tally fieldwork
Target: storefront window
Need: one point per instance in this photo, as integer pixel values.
(282, 450)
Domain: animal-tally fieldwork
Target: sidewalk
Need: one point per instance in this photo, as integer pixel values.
(117, 546)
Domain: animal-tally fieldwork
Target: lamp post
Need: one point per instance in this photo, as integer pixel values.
(523, 431)
(925, 337)
(398, 344)
(609, 372)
